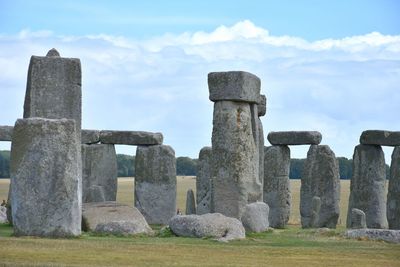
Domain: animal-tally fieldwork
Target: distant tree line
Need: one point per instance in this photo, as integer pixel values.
(187, 166)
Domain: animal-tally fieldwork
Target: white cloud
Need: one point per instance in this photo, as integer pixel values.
(337, 86)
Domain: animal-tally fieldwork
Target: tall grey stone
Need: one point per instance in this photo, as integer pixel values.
(53, 88)
(155, 183)
(367, 186)
(262, 106)
(277, 185)
(295, 138)
(357, 219)
(203, 181)
(235, 153)
(379, 137)
(393, 197)
(190, 203)
(99, 173)
(320, 178)
(6, 133)
(46, 178)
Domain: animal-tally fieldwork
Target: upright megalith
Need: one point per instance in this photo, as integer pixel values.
(357, 219)
(262, 109)
(277, 185)
(99, 173)
(45, 178)
(155, 183)
(53, 88)
(203, 181)
(393, 197)
(367, 186)
(320, 179)
(235, 152)
(190, 203)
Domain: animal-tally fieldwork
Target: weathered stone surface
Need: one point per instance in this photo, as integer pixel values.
(393, 197)
(203, 181)
(320, 178)
(99, 173)
(53, 53)
(46, 178)
(234, 86)
(90, 136)
(6, 133)
(295, 138)
(357, 219)
(262, 106)
(255, 217)
(315, 210)
(382, 138)
(135, 138)
(54, 88)
(392, 236)
(213, 225)
(367, 186)
(277, 185)
(3, 214)
(260, 144)
(190, 203)
(155, 183)
(235, 158)
(113, 218)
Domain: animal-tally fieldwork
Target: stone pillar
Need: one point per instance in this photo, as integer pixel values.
(45, 178)
(203, 181)
(277, 184)
(262, 109)
(320, 179)
(367, 187)
(190, 203)
(393, 197)
(155, 183)
(99, 173)
(235, 138)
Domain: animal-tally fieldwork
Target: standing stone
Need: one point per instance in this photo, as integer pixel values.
(393, 197)
(367, 186)
(45, 178)
(203, 181)
(357, 219)
(190, 203)
(6, 133)
(315, 210)
(235, 152)
(277, 185)
(99, 173)
(320, 179)
(155, 183)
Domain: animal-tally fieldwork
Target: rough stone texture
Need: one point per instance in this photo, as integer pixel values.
(54, 89)
(260, 145)
(393, 197)
(295, 138)
(6, 133)
(277, 185)
(46, 178)
(392, 236)
(135, 138)
(213, 225)
(190, 203)
(255, 217)
(315, 210)
(320, 178)
(53, 53)
(90, 136)
(3, 214)
(382, 138)
(262, 106)
(357, 219)
(113, 218)
(203, 181)
(155, 183)
(235, 158)
(234, 86)
(367, 186)
(99, 173)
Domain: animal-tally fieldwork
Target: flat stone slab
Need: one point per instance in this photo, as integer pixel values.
(6, 133)
(110, 217)
(381, 138)
(295, 138)
(234, 86)
(392, 236)
(133, 138)
(90, 136)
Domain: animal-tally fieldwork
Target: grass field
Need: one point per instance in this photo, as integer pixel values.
(289, 247)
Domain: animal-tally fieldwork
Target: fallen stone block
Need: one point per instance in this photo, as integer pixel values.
(392, 236)
(255, 217)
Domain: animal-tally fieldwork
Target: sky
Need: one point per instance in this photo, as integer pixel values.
(329, 66)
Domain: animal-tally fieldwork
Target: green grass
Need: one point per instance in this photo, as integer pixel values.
(288, 247)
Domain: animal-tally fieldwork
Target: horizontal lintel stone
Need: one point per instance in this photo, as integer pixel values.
(380, 137)
(295, 138)
(134, 138)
